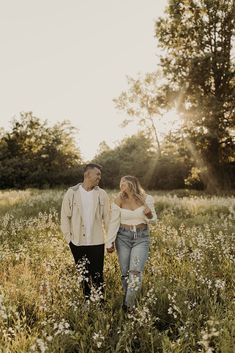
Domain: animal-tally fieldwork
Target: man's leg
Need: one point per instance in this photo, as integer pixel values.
(81, 261)
(95, 255)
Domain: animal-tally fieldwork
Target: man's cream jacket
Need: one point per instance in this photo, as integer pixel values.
(72, 224)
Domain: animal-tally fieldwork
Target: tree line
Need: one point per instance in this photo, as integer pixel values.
(32, 154)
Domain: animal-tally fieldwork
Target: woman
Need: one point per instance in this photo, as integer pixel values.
(132, 210)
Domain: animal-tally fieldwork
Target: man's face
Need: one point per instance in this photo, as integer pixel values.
(94, 176)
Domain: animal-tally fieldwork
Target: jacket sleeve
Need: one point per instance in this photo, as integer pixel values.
(150, 203)
(106, 212)
(114, 224)
(66, 214)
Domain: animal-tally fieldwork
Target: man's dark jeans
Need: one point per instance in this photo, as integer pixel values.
(94, 254)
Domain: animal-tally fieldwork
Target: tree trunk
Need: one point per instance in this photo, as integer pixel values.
(217, 178)
(156, 136)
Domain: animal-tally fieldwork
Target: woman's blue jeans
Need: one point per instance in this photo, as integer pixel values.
(132, 248)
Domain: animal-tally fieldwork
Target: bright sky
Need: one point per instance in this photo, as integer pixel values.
(69, 59)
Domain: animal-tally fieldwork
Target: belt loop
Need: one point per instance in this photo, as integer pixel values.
(134, 232)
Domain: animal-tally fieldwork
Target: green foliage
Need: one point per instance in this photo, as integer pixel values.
(132, 156)
(194, 179)
(33, 154)
(136, 155)
(168, 173)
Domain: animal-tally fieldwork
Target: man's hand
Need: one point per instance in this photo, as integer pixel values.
(111, 249)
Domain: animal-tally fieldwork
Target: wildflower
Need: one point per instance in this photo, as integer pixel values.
(98, 339)
(208, 334)
(3, 310)
(40, 345)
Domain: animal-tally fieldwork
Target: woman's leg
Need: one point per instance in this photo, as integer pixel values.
(123, 246)
(138, 257)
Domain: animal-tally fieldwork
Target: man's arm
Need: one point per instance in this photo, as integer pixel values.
(106, 214)
(66, 214)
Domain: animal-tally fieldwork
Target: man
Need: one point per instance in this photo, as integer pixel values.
(85, 208)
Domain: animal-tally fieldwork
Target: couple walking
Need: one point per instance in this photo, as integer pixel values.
(86, 209)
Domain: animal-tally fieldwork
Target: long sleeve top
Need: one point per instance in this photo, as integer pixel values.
(72, 217)
(131, 217)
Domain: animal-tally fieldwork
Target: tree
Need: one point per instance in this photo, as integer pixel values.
(143, 100)
(197, 39)
(134, 155)
(33, 154)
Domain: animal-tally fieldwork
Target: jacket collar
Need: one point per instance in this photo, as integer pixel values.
(96, 199)
(76, 187)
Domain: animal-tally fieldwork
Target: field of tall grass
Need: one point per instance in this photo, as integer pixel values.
(187, 303)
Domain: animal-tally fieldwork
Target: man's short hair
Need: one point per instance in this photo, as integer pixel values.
(92, 166)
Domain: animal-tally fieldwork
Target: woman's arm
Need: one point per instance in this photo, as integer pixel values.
(114, 224)
(150, 212)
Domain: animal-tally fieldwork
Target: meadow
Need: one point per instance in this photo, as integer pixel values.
(187, 303)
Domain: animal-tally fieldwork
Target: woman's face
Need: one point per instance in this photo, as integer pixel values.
(124, 185)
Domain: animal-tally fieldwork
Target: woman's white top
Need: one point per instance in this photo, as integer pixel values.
(130, 217)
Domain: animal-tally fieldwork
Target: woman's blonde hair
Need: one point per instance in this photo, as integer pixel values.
(134, 186)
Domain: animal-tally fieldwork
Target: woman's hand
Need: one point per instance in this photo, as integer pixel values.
(148, 212)
(111, 249)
